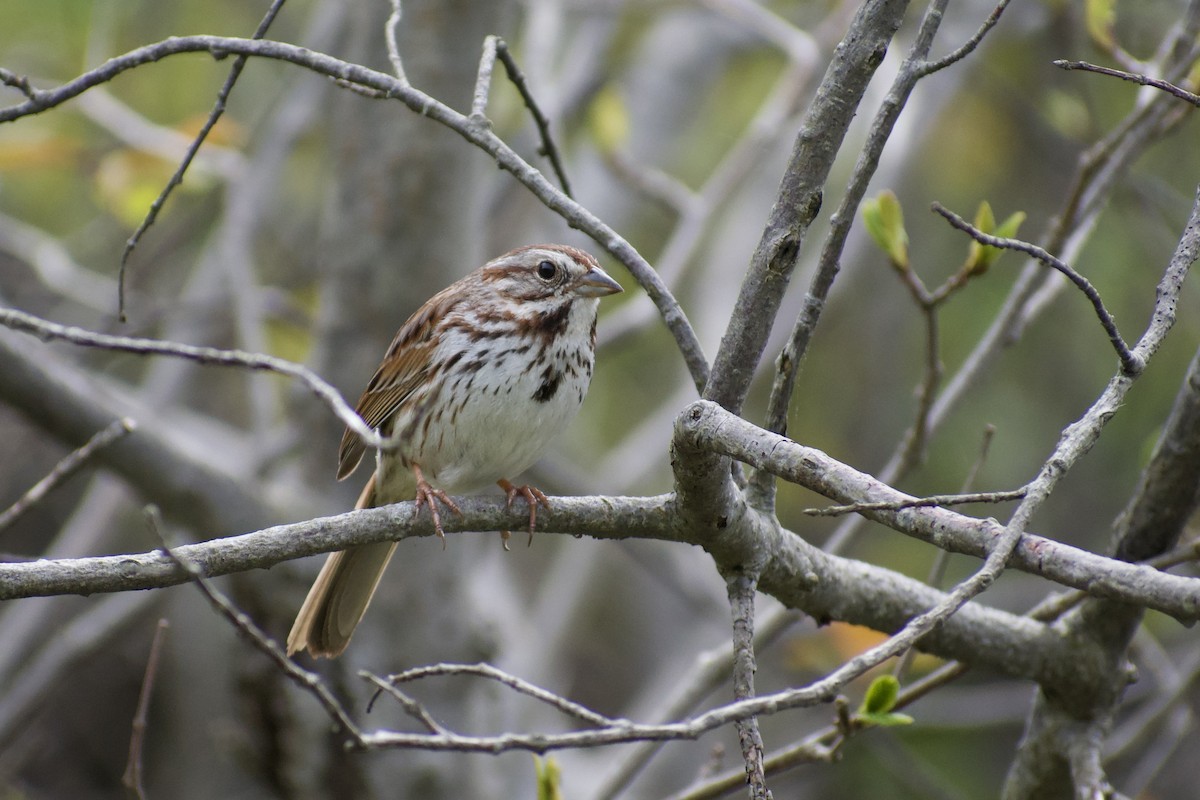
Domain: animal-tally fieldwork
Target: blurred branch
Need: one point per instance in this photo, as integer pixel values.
(697, 210)
(308, 681)
(138, 132)
(132, 779)
(711, 668)
(797, 43)
(46, 330)
(67, 650)
(183, 478)
(177, 178)
(799, 199)
(787, 365)
(53, 264)
(65, 468)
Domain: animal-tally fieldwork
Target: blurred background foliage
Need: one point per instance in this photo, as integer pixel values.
(662, 87)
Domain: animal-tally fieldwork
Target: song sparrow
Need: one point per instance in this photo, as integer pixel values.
(475, 384)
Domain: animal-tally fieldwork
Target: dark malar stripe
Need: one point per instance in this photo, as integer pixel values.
(553, 323)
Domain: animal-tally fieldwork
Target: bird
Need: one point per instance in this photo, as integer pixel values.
(474, 386)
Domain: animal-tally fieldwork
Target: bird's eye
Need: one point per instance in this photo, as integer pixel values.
(546, 270)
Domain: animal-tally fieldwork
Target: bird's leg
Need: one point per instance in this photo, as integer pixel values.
(429, 496)
(532, 497)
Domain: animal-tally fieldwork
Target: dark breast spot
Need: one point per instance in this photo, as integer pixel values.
(549, 387)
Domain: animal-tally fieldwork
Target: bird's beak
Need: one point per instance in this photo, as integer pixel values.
(596, 283)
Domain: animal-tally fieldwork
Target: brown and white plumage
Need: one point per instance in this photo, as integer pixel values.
(474, 385)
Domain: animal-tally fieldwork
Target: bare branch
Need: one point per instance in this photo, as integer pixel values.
(1132, 77)
(787, 364)
(1096, 174)
(854, 591)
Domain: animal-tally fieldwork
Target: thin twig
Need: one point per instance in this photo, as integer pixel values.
(941, 558)
(918, 441)
(66, 468)
(524, 687)
(393, 22)
(309, 681)
(918, 502)
(218, 109)
(411, 706)
(967, 47)
(549, 149)
(483, 80)
(46, 330)
(21, 84)
(1131, 364)
(132, 779)
(1132, 77)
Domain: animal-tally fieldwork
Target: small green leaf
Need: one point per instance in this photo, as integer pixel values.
(1008, 229)
(881, 696)
(985, 220)
(549, 778)
(979, 256)
(884, 221)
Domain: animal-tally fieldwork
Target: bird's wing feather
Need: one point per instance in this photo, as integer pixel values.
(404, 369)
